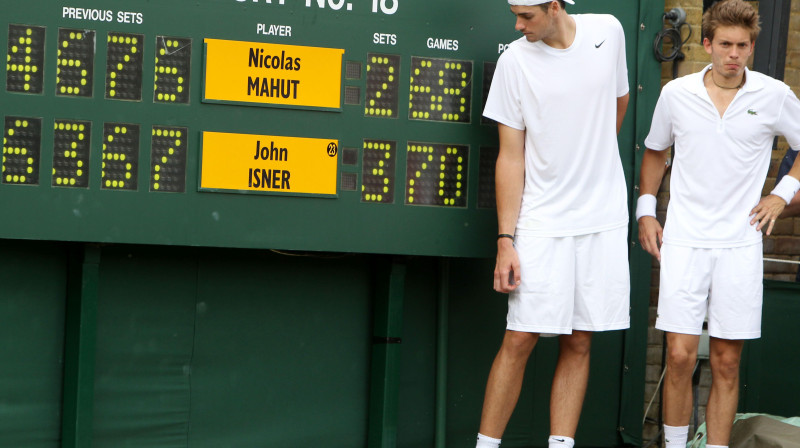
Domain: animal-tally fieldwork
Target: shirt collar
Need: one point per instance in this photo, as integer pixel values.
(751, 84)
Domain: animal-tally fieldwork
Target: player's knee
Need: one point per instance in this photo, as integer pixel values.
(578, 343)
(681, 359)
(517, 343)
(725, 366)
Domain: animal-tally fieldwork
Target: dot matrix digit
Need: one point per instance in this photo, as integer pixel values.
(124, 66)
(21, 148)
(25, 59)
(440, 90)
(71, 150)
(436, 174)
(120, 156)
(75, 63)
(383, 86)
(377, 177)
(172, 70)
(168, 159)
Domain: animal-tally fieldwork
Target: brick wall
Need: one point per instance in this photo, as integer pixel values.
(785, 241)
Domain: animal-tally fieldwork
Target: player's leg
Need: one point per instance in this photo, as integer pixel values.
(541, 304)
(569, 383)
(505, 382)
(681, 360)
(602, 303)
(724, 397)
(686, 275)
(734, 315)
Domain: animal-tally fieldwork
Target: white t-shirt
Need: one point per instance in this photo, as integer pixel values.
(566, 102)
(720, 163)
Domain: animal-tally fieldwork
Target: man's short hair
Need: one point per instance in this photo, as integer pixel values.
(731, 13)
(545, 6)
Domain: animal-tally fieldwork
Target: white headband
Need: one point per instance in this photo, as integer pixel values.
(533, 2)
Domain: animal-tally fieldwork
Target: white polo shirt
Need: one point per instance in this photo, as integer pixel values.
(720, 163)
(566, 102)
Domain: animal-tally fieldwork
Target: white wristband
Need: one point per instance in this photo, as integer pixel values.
(646, 206)
(786, 188)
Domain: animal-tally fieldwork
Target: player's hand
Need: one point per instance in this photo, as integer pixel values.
(651, 235)
(506, 270)
(769, 208)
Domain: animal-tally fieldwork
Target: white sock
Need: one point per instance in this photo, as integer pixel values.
(560, 442)
(676, 436)
(487, 442)
(716, 446)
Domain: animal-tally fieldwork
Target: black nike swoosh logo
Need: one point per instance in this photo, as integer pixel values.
(562, 440)
(600, 44)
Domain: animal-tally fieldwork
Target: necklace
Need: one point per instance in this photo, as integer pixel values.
(723, 87)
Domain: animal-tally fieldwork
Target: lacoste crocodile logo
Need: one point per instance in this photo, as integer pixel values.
(752, 112)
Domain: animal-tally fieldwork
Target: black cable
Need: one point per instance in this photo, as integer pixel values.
(673, 35)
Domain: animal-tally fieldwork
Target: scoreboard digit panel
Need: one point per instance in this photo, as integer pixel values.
(378, 178)
(75, 62)
(488, 75)
(440, 90)
(120, 156)
(25, 59)
(71, 151)
(173, 65)
(168, 146)
(383, 85)
(486, 170)
(437, 174)
(124, 66)
(21, 148)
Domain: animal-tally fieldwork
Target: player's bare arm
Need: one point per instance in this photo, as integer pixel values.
(654, 165)
(771, 207)
(509, 181)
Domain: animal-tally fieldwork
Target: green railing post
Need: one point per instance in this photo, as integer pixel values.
(644, 94)
(442, 329)
(79, 347)
(385, 376)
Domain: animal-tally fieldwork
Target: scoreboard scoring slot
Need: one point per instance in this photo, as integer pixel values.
(21, 148)
(378, 177)
(120, 156)
(383, 85)
(436, 174)
(124, 66)
(75, 71)
(25, 59)
(71, 149)
(173, 63)
(441, 90)
(168, 159)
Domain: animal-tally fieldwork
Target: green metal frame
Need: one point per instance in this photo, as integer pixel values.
(387, 337)
(648, 88)
(79, 347)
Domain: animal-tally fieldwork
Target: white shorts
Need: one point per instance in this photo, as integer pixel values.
(572, 283)
(726, 282)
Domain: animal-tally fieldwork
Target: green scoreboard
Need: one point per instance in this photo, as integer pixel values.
(322, 125)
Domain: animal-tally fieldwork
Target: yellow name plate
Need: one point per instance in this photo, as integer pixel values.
(273, 75)
(268, 163)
